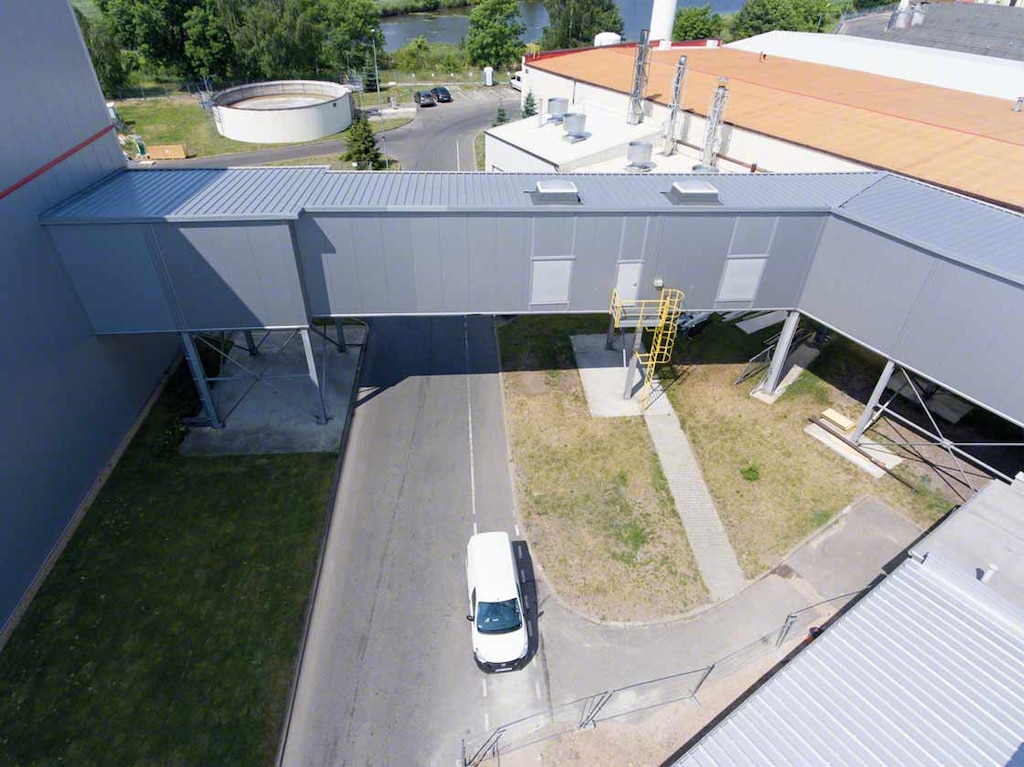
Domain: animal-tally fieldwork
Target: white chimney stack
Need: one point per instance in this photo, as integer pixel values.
(663, 17)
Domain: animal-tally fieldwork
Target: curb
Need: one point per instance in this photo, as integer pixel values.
(335, 484)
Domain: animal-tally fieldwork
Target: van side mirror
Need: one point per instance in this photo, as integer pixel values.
(469, 618)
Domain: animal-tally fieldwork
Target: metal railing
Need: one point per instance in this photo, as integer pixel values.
(583, 713)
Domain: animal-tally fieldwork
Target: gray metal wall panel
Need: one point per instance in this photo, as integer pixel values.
(597, 254)
(553, 235)
(864, 283)
(428, 246)
(691, 256)
(752, 235)
(397, 254)
(455, 267)
(499, 257)
(793, 246)
(966, 332)
(66, 397)
(233, 276)
(115, 277)
(370, 264)
(329, 269)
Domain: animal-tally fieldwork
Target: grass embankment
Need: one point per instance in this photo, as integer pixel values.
(480, 150)
(772, 484)
(167, 632)
(598, 511)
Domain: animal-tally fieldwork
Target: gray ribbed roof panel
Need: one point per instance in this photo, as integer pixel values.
(246, 193)
(927, 669)
(973, 232)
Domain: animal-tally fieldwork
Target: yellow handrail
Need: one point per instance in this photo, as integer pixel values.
(668, 308)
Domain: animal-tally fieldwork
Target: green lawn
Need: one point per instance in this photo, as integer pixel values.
(88, 8)
(167, 633)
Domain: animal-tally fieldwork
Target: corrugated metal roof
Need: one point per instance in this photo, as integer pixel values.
(966, 230)
(246, 193)
(927, 669)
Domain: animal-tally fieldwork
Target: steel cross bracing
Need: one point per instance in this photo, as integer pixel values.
(873, 411)
(203, 381)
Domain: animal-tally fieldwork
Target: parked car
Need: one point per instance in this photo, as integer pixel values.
(441, 95)
(500, 640)
(516, 81)
(424, 99)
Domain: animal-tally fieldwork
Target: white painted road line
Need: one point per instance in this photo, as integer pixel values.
(469, 407)
(517, 531)
(487, 722)
(483, 683)
(536, 689)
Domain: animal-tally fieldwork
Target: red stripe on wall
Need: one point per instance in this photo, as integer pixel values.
(55, 161)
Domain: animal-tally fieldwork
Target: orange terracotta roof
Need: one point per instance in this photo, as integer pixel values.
(973, 144)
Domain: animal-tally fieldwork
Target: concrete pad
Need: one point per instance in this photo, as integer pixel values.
(851, 552)
(797, 362)
(280, 415)
(603, 374)
(839, 447)
(761, 322)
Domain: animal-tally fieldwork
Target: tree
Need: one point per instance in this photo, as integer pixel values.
(104, 52)
(280, 39)
(494, 36)
(697, 24)
(362, 144)
(574, 23)
(209, 49)
(529, 105)
(370, 78)
(154, 28)
(501, 118)
(351, 27)
(759, 16)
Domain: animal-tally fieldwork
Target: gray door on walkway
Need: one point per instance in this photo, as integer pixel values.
(627, 279)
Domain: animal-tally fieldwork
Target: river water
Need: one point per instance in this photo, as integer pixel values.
(450, 26)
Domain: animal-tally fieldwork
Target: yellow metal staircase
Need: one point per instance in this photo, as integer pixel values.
(661, 316)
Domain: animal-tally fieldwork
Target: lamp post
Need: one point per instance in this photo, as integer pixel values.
(380, 104)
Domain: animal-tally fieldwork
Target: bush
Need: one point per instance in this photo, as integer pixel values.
(751, 472)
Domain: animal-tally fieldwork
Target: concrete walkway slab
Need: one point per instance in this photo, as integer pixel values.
(839, 447)
(279, 415)
(711, 548)
(603, 374)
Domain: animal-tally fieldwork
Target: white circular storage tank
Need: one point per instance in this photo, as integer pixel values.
(283, 111)
(602, 39)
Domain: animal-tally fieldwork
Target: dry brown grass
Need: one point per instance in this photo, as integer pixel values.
(800, 484)
(598, 511)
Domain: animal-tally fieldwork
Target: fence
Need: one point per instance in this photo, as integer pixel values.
(617, 703)
(583, 713)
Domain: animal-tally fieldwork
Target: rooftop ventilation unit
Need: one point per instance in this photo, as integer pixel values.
(574, 124)
(639, 155)
(555, 191)
(602, 39)
(693, 192)
(557, 107)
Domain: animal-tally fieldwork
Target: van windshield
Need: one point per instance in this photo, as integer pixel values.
(498, 617)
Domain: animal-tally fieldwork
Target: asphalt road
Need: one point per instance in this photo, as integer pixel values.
(388, 675)
(440, 138)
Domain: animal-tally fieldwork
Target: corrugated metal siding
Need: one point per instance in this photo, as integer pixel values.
(972, 232)
(927, 669)
(199, 194)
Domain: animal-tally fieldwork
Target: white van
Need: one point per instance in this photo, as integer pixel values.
(500, 639)
(516, 81)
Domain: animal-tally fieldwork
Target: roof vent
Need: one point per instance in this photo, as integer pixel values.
(557, 107)
(574, 124)
(639, 155)
(556, 191)
(693, 192)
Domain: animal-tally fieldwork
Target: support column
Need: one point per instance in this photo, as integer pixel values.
(307, 347)
(869, 409)
(609, 340)
(778, 363)
(250, 344)
(339, 326)
(199, 376)
(638, 334)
